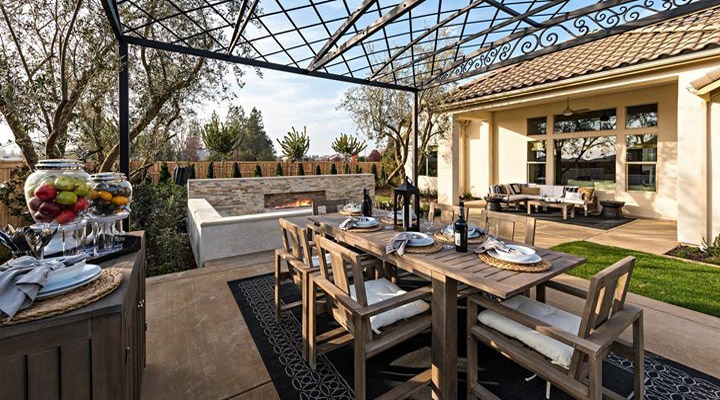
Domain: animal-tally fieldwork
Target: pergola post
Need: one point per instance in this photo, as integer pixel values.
(124, 116)
(415, 158)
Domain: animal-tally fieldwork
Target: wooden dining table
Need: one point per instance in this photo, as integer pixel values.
(446, 269)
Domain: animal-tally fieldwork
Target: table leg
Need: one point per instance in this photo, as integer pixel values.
(444, 337)
(564, 209)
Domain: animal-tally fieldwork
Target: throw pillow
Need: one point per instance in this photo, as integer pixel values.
(516, 187)
(587, 192)
(574, 196)
(530, 190)
(508, 189)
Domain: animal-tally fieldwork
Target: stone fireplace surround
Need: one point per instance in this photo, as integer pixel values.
(229, 217)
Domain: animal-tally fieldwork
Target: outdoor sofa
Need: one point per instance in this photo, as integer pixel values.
(520, 193)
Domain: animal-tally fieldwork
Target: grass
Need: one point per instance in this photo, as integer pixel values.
(683, 284)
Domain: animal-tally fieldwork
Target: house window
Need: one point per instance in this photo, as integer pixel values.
(536, 157)
(429, 167)
(600, 120)
(537, 126)
(644, 116)
(641, 162)
(586, 161)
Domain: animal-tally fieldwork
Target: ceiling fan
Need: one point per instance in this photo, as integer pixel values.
(569, 112)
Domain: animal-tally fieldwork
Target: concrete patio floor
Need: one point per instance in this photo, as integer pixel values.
(200, 348)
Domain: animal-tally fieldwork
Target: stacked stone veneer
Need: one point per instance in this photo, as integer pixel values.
(240, 196)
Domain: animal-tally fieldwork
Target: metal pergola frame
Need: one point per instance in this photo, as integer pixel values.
(397, 43)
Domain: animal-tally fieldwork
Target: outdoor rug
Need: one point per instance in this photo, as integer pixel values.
(279, 346)
(591, 221)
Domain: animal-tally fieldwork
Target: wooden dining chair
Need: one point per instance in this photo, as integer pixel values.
(562, 348)
(446, 213)
(330, 206)
(362, 307)
(503, 225)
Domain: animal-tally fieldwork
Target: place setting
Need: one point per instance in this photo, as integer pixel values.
(351, 209)
(512, 257)
(361, 224)
(414, 243)
(447, 234)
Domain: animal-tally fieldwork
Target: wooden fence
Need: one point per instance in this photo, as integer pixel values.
(222, 169)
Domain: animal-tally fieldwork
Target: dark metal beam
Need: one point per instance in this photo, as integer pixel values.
(349, 22)
(508, 10)
(258, 63)
(124, 109)
(624, 27)
(241, 24)
(112, 16)
(375, 26)
(416, 128)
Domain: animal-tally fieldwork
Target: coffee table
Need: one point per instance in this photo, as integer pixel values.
(612, 209)
(565, 207)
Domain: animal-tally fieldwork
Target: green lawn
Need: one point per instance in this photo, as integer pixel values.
(684, 284)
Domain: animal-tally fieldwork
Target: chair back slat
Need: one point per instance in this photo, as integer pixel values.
(295, 241)
(330, 206)
(448, 213)
(503, 225)
(606, 296)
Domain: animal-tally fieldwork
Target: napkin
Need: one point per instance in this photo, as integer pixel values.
(348, 223)
(398, 243)
(494, 243)
(21, 280)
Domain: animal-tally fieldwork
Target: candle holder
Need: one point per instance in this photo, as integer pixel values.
(406, 198)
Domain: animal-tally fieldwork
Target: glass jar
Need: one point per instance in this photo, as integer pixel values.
(111, 194)
(58, 191)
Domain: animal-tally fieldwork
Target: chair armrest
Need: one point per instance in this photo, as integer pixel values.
(578, 343)
(396, 301)
(331, 290)
(607, 333)
(565, 288)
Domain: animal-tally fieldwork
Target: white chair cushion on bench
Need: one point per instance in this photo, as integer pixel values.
(558, 352)
(381, 289)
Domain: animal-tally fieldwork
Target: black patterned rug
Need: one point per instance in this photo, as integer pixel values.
(279, 346)
(591, 221)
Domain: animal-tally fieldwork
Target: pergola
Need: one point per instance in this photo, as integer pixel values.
(408, 45)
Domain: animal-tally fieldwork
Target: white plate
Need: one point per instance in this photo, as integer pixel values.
(420, 239)
(366, 222)
(89, 273)
(528, 255)
(400, 215)
(65, 273)
(472, 229)
(353, 208)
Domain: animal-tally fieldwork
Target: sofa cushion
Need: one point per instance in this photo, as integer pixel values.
(516, 188)
(530, 190)
(381, 289)
(558, 191)
(573, 198)
(508, 189)
(558, 352)
(517, 197)
(497, 190)
(546, 190)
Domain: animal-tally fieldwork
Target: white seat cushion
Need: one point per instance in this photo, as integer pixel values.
(517, 197)
(381, 289)
(573, 198)
(558, 352)
(316, 260)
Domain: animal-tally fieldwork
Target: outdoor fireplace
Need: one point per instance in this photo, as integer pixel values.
(278, 201)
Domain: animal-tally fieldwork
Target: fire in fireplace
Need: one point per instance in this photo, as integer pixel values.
(295, 204)
(276, 201)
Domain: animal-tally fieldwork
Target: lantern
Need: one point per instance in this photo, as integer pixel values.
(406, 200)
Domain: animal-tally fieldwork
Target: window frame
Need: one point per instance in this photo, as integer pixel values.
(652, 128)
(629, 163)
(599, 132)
(547, 125)
(544, 163)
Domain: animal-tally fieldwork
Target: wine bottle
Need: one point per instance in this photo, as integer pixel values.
(367, 203)
(461, 230)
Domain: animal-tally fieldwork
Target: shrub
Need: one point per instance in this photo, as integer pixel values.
(278, 170)
(373, 170)
(211, 170)
(346, 170)
(164, 173)
(192, 172)
(236, 170)
(374, 155)
(12, 195)
(318, 171)
(258, 170)
(358, 169)
(161, 211)
(333, 169)
(301, 170)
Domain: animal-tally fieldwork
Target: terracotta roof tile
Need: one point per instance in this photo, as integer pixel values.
(689, 33)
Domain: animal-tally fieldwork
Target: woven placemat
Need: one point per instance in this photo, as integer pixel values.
(109, 280)
(540, 266)
(350, 213)
(429, 249)
(376, 228)
(447, 239)
(389, 220)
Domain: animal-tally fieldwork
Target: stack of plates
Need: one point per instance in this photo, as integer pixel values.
(69, 278)
(521, 255)
(366, 222)
(420, 239)
(353, 208)
(472, 231)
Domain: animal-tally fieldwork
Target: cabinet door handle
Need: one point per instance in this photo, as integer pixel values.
(141, 303)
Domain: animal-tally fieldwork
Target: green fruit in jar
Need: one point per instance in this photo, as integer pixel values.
(65, 182)
(82, 189)
(66, 198)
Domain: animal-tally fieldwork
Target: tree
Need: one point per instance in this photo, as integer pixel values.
(211, 170)
(301, 170)
(358, 169)
(346, 169)
(318, 171)
(192, 174)
(333, 169)
(236, 171)
(348, 145)
(187, 147)
(258, 170)
(295, 144)
(278, 170)
(374, 156)
(373, 170)
(221, 138)
(164, 173)
(256, 144)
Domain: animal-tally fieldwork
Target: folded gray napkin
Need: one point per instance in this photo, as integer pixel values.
(398, 243)
(21, 279)
(348, 224)
(491, 242)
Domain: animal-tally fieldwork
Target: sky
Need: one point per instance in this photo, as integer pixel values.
(286, 100)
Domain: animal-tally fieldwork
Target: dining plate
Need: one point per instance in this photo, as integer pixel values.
(420, 239)
(89, 273)
(472, 230)
(355, 208)
(366, 222)
(400, 215)
(527, 256)
(65, 273)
